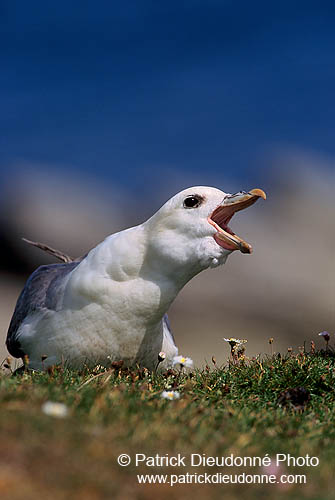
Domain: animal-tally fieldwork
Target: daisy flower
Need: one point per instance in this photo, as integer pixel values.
(170, 395)
(183, 361)
(161, 356)
(233, 342)
(52, 409)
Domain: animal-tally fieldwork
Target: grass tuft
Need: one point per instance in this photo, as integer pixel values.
(252, 407)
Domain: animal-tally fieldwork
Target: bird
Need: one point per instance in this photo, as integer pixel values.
(111, 305)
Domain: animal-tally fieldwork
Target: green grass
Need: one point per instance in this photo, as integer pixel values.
(244, 409)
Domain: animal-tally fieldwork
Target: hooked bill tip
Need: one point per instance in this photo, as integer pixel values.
(258, 192)
(244, 247)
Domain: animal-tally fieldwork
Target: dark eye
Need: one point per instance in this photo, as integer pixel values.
(193, 201)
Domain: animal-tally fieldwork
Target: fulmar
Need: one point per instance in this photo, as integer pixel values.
(111, 305)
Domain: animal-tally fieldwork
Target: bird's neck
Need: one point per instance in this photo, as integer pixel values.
(132, 263)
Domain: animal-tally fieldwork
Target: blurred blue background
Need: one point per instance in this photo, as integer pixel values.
(125, 90)
(109, 108)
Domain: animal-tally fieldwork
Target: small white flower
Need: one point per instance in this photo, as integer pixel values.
(161, 356)
(233, 342)
(170, 395)
(183, 361)
(52, 409)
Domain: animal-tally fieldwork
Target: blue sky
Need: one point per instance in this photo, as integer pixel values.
(132, 89)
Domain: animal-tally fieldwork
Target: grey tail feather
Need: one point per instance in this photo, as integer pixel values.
(56, 253)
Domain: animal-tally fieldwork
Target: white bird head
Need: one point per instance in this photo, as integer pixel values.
(191, 229)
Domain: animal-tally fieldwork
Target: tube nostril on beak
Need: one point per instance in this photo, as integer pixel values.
(244, 196)
(236, 197)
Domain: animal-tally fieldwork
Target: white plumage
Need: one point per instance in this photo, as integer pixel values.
(112, 304)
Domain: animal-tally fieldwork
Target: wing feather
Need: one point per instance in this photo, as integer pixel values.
(42, 291)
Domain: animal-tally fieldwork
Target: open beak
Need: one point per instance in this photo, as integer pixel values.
(221, 216)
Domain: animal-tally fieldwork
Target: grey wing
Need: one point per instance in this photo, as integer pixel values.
(166, 323)
(41, 291)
